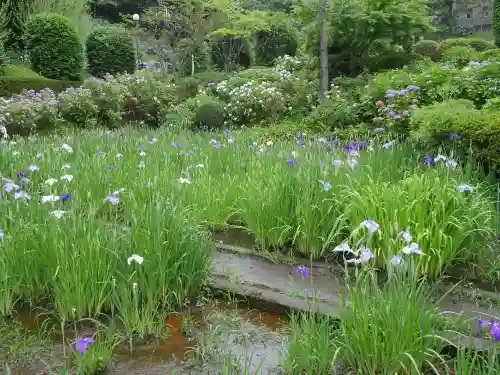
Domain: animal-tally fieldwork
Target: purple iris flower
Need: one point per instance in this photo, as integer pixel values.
(102, 153)
(228, 131)
(494, 325)
(65, 197)
(291, 162)
(413, 88)
(176, 145)
(303, 270)
(300, 143)
(455, 136)
(82, 344)
(429, 160)
(21, 175)
(300, 137)
(110, 167)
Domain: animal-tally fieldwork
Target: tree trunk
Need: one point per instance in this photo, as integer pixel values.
(451, 18)
(323, 50)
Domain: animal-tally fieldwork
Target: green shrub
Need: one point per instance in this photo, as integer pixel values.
(181, 116)
(209, 115)
(279, 39)
(110, 50)
(54, 47)
(381, 82)
(210, 76)
(334, 112)
(253, 74)
(488, 54)
(437, 83)
(477, 83)
(492, 104)
(77, 107)
(479, 130)
(427, 48)
(391, 60)
(452, 42)
(460, 56)
(480, 45)
(187, 88)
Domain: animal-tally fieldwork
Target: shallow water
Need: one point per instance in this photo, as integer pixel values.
(251, 333)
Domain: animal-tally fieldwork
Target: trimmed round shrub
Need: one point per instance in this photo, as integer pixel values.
(54, 48)
(488, 54)
(110, 50)
(279, 40)
(459, 55)
(427, 48)
(209, 115)
(450, 43)
(390, 60)
(480, 45)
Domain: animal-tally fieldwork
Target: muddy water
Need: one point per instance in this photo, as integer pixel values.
(250, 333)
(235, 237)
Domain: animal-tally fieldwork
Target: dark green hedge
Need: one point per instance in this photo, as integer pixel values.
(10, 86)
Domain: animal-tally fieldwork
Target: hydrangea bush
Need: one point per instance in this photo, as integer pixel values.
(252, 102)
(110, 102)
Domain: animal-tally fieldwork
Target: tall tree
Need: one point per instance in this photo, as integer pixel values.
(357, 28)
(13, 15)
(496, 22)
(321, 8)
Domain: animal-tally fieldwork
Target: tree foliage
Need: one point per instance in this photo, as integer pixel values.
(356, 28)
(496, 22)
(278, 39)
(13, 15)
(230, 49)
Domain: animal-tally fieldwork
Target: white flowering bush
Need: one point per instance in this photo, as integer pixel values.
(288, 64)
(252, 102)
(147, 98)
(298, 82)
(110, 97)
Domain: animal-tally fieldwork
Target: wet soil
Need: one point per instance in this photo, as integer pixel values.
(246, 335)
